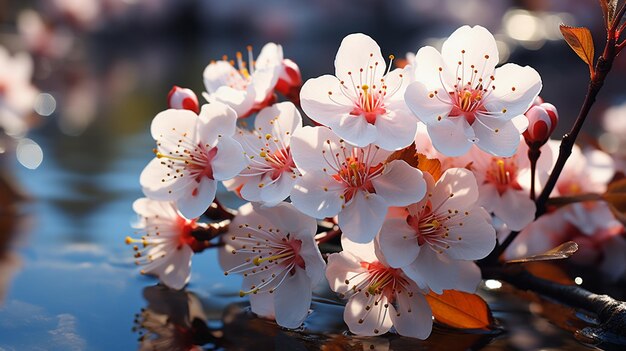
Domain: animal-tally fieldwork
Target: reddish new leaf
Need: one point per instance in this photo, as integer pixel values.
(408, 155)
(560, 252)
(429, 165)
(609, 8)
(580, 40)
(461, 310)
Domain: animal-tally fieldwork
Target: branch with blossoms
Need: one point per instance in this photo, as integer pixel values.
(421, 171)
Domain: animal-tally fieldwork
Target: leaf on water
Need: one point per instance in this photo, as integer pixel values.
(408, 155)
(429, 165)
(580, 40)
(548, 271)
(461, 310)
(615, 197)
(560, 252)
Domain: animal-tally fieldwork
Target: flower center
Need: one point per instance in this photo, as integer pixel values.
(195, 163)
(502, 173)
(267, 254)
(353, 168)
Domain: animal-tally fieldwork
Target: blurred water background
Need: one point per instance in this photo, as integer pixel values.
(67, 280)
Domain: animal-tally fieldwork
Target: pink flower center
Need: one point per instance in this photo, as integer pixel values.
(354, 169)
(194, 163)
(502, 173)
(380, 280)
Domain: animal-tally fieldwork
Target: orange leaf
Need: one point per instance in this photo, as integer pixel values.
(430, 165)
(560, 252)
(407, 155)
(580, 40)
(461, 310)
(548, 271)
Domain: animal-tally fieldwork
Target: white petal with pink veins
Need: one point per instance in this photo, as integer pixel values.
(475, 47)
(496, 137)
(427, 109)
(364, 252)
(395, 129)
(400, 184)
(306, 148)
(516, 209)
(293, 299)
(398, 242)
(516, 90)
(362, 218)
(175, 272)
(373, 321)
(358, 51)
(475, 239)
(461, 184)
(194, 204)
(278, 190)
(317, 195)
(319, 105)
(280, 120)
(413, 315)
(450, 137)
(229, 160)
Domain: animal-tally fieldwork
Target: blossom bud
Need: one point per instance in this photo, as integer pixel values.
(183, 99)
(542, 120)
(289, 80)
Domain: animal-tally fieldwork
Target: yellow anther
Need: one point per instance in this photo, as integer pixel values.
(129, 240)
(365, 87)
(268, 136)
(263, 154)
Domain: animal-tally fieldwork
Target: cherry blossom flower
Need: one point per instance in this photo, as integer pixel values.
(271, 173)
(183, 99)
(435, 243)
(275, 251)
(363, 103)
(379, 296)
(357, 184)
(245, 87)
(584, 172)
(504, 183)
(17, 94)
(166, 244)
(455, 94)
(193, 153)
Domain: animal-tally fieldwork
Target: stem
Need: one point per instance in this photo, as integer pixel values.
(611, 313)
(533, 155)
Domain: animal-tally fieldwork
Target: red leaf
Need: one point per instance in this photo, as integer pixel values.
(580, 40)
(461, 310)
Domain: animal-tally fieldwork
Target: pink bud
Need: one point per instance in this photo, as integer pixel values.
(183, 99)
(542, 120)
(290, 79)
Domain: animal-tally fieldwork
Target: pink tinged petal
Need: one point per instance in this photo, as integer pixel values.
(516, 209)
(495, 137)
(278, 190)
(365, 252)
(307, 144)
(287, 218)
(229, 160)
(280, 120)
(413, 317)
(321, 106)
(355, 130)
(315, 266)
(176, 271)
(472, 46)
(263, 304)
(601, 167)
(173, 122)
(428, 107)
(293, 299)
(317, 195)
(153, 184)
(217, 74)
(489, 197)
(450, 136)
(216, 119)
(475, 239)
(400, 184)
(342, 267)
(359, 51)
(396, 129)
(368, 322)
(398, 243)
(193, 204)
(457, 187)
(441, 272)
(362, 218)
(251, 190)
(516, 90)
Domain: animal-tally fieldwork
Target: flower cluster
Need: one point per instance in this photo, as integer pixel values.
(415, 166)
